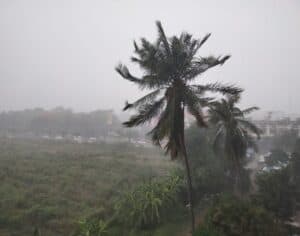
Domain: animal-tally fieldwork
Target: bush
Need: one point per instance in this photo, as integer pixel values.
(277, 193)
(233, 217)
(144, 206)
(93, 228)
(138, 211)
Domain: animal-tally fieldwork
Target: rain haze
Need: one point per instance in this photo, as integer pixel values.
(149, 118)
(63, 53)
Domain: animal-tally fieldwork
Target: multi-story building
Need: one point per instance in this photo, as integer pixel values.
(278, 127)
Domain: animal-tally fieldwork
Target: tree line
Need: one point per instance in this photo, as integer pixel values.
(60, 121)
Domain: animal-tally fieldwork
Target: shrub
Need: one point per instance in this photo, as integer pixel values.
(277, 193)
(233, 217)
(144, 206)
(93, 228)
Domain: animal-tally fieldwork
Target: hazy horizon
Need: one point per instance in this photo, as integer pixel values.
(63, 53)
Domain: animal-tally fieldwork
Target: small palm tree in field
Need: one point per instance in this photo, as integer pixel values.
(234, 133)
(170, 66)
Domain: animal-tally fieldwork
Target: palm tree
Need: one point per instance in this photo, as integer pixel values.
(170, 65)
(234, 133)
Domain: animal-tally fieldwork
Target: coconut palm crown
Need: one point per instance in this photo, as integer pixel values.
(234, 132)
(170, 66)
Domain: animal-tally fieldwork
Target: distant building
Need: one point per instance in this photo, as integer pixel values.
(92, 140)
(78, 139)
(58, 138)
(272, 128)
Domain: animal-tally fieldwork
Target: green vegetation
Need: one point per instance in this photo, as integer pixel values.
(170, 65)
(277, 193)
(265, 213)
(146, 205)
(230, 216)
(92, 227)
(208, 169)
(54, 188)
(60, 188)
(51, 185)
(234, 134)
(147, 209)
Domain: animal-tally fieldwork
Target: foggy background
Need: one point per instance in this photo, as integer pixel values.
(63, 52)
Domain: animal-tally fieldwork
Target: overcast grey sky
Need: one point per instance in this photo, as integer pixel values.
(63, 52)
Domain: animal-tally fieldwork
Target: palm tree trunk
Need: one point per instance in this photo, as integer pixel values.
(190, 185)
(236, 190)
(237, 181)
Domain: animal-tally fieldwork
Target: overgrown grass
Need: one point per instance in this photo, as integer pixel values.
(51, 185)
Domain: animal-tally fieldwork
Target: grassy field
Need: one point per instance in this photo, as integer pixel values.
(51, 185)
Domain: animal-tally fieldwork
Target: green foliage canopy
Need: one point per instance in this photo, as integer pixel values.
(170, 66)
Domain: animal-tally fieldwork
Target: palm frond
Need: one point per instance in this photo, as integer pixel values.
(146, 113)
(249, 110)
(237, 133)
(250, 126)
(124, 72)
(142, 101)
(218, 88)
(206, 37)
(194, 105)
(218, 138)
(233, 99)
(201, 65)
(237, 112)
(215, 115)
(146, 82)
(162, 37)
(161, 129)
